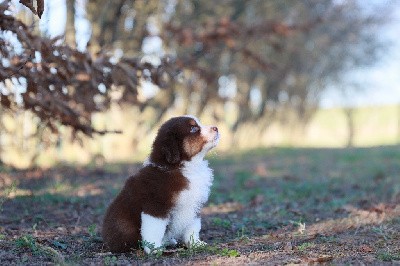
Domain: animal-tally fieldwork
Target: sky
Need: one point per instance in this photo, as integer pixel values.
(380, 84)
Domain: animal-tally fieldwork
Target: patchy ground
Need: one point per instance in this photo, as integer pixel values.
(274, 206)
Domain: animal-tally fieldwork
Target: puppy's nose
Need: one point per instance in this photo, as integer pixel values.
(214, 129)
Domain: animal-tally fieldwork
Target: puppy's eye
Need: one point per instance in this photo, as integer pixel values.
(194, 129)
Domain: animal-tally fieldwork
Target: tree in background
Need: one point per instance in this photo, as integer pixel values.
(255, 57)
(59, 83)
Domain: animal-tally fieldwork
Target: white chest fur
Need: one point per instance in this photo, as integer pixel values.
(190, 200)
(200, 178)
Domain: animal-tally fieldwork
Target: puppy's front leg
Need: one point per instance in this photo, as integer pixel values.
(191, 234)
(152, 230)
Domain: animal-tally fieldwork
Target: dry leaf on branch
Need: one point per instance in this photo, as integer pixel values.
(63, 88)
(40, 7)
(29, 4)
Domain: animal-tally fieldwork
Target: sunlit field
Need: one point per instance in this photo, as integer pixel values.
(373, 126)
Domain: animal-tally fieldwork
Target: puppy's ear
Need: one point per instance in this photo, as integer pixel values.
(171, 150)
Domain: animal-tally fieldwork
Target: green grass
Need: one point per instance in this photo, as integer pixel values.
(221, 222)
(307, 180)
(258, 198)
(387, 256)
(29, 243)
(92, 230)
(305, 246)
(208, 249)
(110, 260)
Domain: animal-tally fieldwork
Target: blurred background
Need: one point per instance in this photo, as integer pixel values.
(267, 73)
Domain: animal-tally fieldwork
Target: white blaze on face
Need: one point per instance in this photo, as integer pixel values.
(208, 133)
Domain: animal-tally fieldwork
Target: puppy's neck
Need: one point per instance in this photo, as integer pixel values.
(148, 162)
(195, 160)
(198, 158)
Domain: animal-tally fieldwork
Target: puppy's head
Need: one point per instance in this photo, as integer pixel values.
(182, 139)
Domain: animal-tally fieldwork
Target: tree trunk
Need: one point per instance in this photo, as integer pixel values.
(70, 33)
(350, 126)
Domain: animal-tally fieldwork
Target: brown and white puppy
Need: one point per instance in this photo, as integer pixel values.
(162, 202)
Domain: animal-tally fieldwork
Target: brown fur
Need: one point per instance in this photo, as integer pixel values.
(154, 188)
(151, 191)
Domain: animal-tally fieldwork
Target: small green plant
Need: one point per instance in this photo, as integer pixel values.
(60, 186)
(92, 230)
(198, 249)
(381, 231)
(93, 237)
(195, 247)
(241, 234)
(221, 222)
(202, 247)
(229, 252)
(50, 252)
(27, 242)
(110, 260)
(154, 251)
(387, 256)
(305, 246)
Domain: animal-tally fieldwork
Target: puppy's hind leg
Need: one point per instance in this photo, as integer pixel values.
(120, 235)
(152, 230)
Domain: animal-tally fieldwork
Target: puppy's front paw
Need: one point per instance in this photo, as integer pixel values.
(147, 250)
(170, 242)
